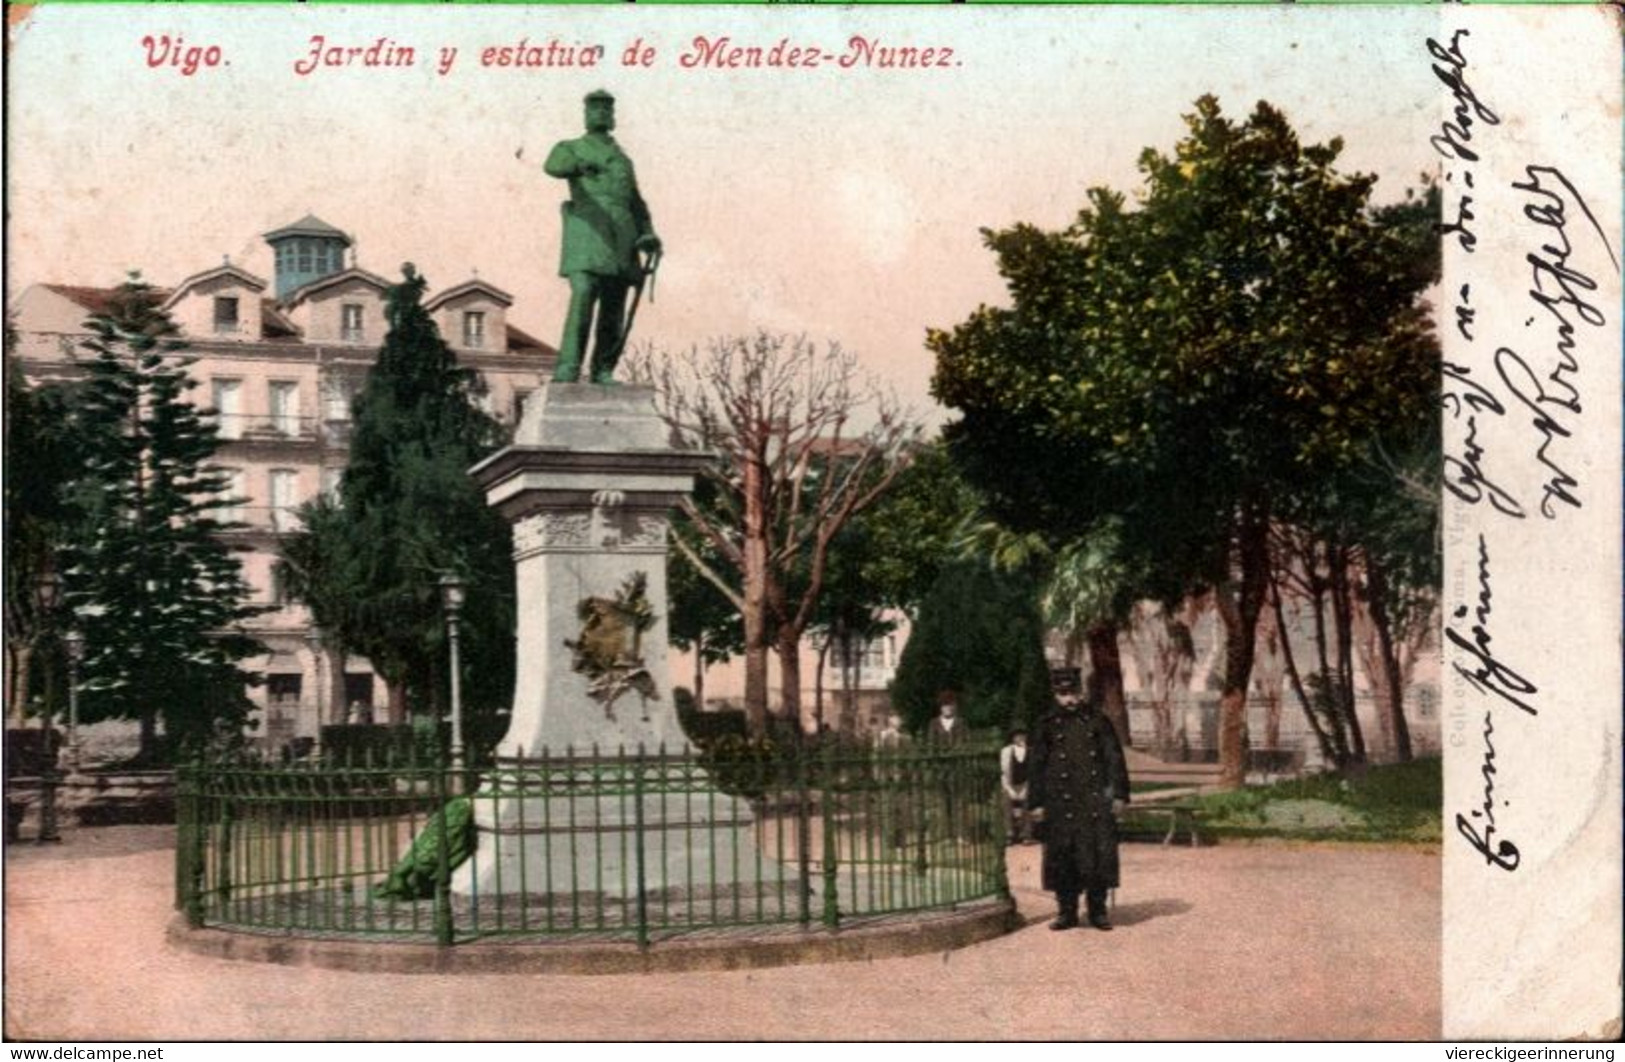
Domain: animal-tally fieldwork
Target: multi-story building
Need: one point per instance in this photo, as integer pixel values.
(279, 363)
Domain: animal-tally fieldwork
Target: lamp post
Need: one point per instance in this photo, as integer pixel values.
(47, 594)
(48, 591)
(313, 639)
(74, 643)
(452, 591)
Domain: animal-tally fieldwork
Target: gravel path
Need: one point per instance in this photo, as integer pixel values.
(1229, 942)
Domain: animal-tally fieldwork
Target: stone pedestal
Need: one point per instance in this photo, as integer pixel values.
(588, 484)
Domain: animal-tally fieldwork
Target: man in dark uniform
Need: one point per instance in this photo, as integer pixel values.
(606, 225)
(1078, 772)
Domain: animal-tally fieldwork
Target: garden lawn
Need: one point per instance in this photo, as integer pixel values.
(1392, 803)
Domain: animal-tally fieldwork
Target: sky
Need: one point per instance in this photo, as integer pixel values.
(842, 203)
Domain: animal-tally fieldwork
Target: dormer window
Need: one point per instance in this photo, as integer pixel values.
(474, 329)
(226, 320)
(351, 328)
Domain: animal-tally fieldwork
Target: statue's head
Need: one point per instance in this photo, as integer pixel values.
(600, 111)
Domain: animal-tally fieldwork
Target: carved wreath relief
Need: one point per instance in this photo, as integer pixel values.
(610, 649)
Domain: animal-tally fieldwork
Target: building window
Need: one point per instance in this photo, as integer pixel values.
(331, 478)
(351, 330)
(225, 315)
(228, 407)
(474, 329)
(283, 690)
(231, 500)
(870, 662)
(284, 482)
(336, 398)
(306, 262)
(285, 407)
(358, 696)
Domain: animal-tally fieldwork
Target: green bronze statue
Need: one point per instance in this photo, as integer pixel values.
(609, 246)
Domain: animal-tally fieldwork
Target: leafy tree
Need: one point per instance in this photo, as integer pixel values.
(1085, 589)
(1362, 559)
(978, 634)
(1403, 568)
(369, 564)
(887, 558)
(1186, 364)
(852, 611)
(160, 598)
(1089, 597)
(913, 531)
(701, 619)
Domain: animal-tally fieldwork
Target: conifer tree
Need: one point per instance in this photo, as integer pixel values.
(979, 634)
(159, 596)
(369, 563)
(40, 458)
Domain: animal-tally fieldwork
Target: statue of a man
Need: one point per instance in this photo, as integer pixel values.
(606, 225)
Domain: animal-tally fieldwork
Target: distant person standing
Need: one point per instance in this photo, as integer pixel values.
(891, 735)
(1078, 776)
(947, 728)
(1014, 767)
(893, 773)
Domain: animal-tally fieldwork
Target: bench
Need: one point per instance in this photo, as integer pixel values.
(1179, 816)
(1182, 780)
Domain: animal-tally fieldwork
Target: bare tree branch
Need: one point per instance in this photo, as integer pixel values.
(790, 473)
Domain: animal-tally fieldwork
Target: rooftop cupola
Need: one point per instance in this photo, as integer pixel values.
(307, 250)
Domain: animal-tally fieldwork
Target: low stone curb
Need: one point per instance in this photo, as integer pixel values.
(936, 931)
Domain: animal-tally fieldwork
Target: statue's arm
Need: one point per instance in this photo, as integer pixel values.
(562, 162)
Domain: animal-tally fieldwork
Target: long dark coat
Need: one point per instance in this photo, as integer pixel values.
(1077, 771)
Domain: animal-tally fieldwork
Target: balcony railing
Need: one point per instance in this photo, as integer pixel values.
(252, 427)
(337, 431)
(276, 518)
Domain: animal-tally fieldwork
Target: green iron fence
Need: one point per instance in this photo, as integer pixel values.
(630, 844)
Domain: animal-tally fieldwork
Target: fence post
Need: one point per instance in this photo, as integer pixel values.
(228, 774)
(803, 837)
(189, 842)
(442, 877)
(917, 775)
(1002, 839)
(832, 907)
(183, 842)
(638, 849)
